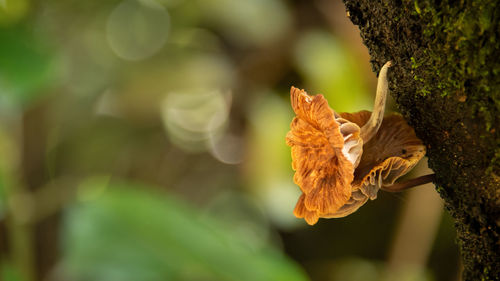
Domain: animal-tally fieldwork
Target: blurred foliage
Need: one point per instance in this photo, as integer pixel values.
(21, 84)
(126, 233)
(8, 161)
(136, 30)
(329, 68)
(256, 22)
(9, 272)
(12, 11)
(271, 180)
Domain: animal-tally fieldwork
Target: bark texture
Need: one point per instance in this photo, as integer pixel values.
(446, 82)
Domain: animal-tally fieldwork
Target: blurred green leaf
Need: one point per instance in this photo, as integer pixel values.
(129, 234)
(26, 65)
(11, 11)
(3, 197)
(8, 150)
(330, 69)
(269, 171)
(8, 272)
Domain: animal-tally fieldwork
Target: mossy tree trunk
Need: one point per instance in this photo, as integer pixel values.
(446, 82)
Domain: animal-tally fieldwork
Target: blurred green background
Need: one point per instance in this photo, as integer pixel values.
(144, 140)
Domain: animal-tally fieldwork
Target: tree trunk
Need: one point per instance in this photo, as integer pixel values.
(446, 82)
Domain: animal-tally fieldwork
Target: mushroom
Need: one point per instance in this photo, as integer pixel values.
(342, 160)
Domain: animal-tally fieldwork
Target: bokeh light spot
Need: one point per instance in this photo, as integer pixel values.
(237, 19)
(227, 148)
(191, 117)
(137, 29)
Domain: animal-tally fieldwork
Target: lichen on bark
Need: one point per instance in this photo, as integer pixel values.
(446, 82)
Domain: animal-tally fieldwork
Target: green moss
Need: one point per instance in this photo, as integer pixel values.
(414, 63)
(458, 31)
(417, 8)
(495, 162)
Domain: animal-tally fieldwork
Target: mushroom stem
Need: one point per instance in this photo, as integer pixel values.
(371, 127)
(400, 186)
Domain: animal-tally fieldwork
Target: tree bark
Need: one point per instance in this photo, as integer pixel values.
(446, 81)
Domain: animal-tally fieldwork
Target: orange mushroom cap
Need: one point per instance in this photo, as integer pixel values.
(326, 149)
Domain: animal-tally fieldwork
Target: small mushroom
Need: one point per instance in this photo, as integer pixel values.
(390, 154)
(342, 160)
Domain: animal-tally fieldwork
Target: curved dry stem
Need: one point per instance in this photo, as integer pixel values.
(401, 186)
(371, 127)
